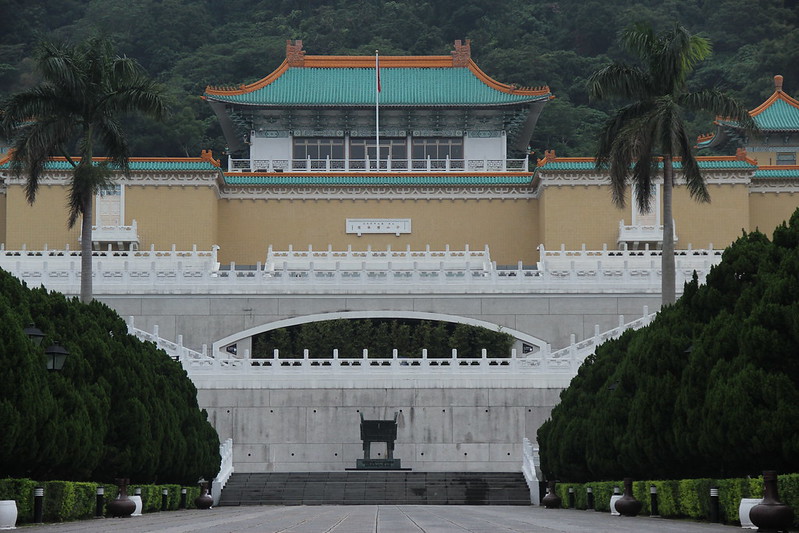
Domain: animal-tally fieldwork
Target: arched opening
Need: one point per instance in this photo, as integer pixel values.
(240, 344)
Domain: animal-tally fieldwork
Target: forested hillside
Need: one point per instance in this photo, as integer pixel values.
(188, 44)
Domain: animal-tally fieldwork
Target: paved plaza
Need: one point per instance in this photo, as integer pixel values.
(383, 519)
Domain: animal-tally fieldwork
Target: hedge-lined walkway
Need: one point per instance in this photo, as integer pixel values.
(385, 519)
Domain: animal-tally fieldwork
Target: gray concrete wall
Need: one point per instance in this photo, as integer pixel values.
(439, 429)
(552, 318)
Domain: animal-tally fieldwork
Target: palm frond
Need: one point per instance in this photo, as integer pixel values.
(694, 180)
(614, 126)
(61, 65)
(618, 81)
(721, 105)
(110, 134)
(640, 40)
(88, 178)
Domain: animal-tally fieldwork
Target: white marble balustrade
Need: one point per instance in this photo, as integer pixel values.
(566, 360)
(354, 272)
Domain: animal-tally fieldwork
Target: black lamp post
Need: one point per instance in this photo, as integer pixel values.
(34, 334)
(54, 357)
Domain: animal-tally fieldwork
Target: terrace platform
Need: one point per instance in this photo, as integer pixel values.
(385, 519)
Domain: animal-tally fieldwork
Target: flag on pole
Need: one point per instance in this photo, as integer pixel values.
(377, 111)
(377, 70)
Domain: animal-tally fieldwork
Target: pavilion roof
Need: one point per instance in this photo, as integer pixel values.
(302, 80)
(779, 113)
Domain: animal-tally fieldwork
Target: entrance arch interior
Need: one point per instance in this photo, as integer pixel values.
(241, 342)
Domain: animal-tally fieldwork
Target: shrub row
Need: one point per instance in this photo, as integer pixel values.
(685, 498)
(70, 500)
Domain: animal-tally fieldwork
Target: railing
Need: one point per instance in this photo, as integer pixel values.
(123, 234)
(225, 470)
(333, 365)
(686, 260)
(302, 261)
(579, 350)
(389, 165)
(197, 272)
(151, 254)
(643, 232)
(545, 361)
(531, 468)
(175, 350)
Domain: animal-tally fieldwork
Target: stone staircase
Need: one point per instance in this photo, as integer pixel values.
(376, 488)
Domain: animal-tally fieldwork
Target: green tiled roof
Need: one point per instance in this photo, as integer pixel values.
(145, 165)
(778, 116)
(356, 87)
(589, 165)
(777, 173)
(388, 179)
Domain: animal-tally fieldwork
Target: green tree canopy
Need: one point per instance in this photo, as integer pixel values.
(119, 408)
(709, 389)
(76, 110)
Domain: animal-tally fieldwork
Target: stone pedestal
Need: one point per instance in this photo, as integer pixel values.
(378, 464)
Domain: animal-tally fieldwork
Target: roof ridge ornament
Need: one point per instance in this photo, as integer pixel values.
(462, 53)
(207, 155)
(740, 154)
(295, 55)
(778, 83)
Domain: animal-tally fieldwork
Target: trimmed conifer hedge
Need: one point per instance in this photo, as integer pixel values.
(120, 408)
(685, 498)
(69, 500)
(709, 389)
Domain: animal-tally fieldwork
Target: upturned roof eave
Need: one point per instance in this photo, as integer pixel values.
(536, 99)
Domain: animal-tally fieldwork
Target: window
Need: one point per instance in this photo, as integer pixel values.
(109, 208)
(396, 148)
(652, 217)
(786, 158)
(305, 147)
(437, 148)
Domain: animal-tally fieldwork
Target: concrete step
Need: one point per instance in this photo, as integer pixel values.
(358, 488)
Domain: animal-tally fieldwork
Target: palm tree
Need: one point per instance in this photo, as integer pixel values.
(651, 131)
(85, 90)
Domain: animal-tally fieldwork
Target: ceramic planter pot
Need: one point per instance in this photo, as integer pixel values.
(8, 514)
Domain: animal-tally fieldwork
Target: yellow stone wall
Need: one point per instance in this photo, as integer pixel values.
(769, 210)
(586, 215)
(189, 215)
(577, 215)
(248, 227)
(767, 158)
(719, 222)
(40, 224)
(183, 216)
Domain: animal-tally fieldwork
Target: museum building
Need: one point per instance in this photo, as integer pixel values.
(406, 152)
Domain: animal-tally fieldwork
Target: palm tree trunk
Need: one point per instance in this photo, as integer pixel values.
(668, 279)
(86, 251)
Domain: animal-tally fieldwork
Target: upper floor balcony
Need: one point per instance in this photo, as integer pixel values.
(118, 237)
(372, 165)
(640, 235)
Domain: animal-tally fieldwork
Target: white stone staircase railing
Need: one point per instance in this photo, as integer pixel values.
(225, 470)
(531, 468)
